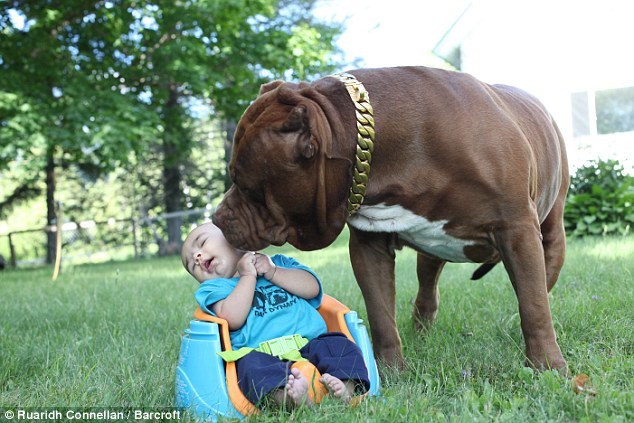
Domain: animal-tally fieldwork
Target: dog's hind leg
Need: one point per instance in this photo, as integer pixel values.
(552, 228)
(523, 256)
(554, 243)
(554, 237)
(426, 306)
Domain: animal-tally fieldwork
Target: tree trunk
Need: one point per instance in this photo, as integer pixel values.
(50, 205)
(172, 159)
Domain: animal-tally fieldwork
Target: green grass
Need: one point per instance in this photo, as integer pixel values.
(108, 335)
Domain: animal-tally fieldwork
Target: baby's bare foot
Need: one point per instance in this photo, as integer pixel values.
(338, 388)
(297, 388)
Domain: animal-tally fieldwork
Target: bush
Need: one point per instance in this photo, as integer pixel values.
(600, 200)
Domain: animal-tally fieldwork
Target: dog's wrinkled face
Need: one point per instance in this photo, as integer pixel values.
(278, 167)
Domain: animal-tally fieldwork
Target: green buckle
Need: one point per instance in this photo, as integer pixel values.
(282, 345)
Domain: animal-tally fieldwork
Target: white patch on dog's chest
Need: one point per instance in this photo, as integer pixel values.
(416, 230)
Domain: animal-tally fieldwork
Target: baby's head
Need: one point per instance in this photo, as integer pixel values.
(206, 254)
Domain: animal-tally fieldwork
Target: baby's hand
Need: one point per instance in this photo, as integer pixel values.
(246, 264)
(264, 266)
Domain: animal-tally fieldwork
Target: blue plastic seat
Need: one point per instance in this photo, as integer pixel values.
(207, 385)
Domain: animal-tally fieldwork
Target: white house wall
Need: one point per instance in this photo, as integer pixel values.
(555, 48)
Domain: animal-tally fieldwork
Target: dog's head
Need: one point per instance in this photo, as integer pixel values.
(290, 174)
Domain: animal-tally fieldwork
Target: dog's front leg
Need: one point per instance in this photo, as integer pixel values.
(372, 256)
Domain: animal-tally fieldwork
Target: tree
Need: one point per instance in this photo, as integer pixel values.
(55, 108)
(216, 53)
(94, 84)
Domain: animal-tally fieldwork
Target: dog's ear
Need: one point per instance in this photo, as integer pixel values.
(297, 120)
(270, 86)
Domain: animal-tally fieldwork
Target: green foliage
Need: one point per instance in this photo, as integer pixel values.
(127, 192)
(205, 169)
(92, 87)
(52, 99)
(600, 200)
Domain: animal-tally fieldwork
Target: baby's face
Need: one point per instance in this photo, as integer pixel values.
(207, 255)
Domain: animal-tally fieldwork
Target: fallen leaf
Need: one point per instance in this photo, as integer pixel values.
(582, 384)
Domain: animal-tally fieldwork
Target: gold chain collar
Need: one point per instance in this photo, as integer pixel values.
(365, 139)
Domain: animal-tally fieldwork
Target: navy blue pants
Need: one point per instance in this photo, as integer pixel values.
(332, 353)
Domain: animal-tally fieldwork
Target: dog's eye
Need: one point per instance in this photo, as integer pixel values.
(255, 195)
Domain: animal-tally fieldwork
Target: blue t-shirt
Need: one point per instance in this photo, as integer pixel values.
(275, 312)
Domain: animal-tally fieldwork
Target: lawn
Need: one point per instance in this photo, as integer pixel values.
(108, 335)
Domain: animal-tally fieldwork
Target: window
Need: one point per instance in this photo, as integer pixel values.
(615, 110)
(602, 112)
(581, 114)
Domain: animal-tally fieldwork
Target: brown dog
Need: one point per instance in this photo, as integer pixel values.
(461, 171)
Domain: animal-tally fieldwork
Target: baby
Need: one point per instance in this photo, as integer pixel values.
(264, 298)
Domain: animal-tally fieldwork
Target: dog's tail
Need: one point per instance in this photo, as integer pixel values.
(482, 270)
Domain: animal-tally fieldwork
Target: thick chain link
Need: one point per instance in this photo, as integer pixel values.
(365, 139)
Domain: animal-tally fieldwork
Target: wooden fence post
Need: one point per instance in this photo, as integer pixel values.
(14, 259)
